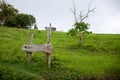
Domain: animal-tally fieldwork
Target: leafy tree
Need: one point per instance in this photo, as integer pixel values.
(24, 20)
(9, 16)
(72, 32)
(80, 26)
(7, 12)
(35, 26)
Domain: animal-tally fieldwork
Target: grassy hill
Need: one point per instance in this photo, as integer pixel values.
(97, 59)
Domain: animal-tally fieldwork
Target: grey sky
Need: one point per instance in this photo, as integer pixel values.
(106, 18)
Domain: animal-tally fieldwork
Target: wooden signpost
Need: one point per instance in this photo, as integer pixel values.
(46, 48)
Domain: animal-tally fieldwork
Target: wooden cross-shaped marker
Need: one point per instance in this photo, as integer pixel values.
(46, 48)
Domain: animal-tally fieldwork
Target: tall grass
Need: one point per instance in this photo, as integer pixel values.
(97, 58)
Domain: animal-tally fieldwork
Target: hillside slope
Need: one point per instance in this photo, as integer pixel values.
(97, 58)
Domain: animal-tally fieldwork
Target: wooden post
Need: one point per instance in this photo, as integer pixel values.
(28, 56)
(46, 48)
(48, 59)
(49, 33)
(31, 39)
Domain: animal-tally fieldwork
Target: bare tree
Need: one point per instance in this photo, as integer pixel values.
(74, 12)
(82, 16)
(80, 25)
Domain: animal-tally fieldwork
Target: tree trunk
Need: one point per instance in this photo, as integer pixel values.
(80, 38)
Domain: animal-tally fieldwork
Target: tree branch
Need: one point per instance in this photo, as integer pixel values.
(74, 12)
(82, 16)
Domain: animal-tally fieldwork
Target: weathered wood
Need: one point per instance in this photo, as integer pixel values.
(48, 59)
(46, 48)
(31, 39)
(28, 53)
(49, 34)
(28, 56)
(52, 28)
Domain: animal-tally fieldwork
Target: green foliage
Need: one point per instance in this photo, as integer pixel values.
(81, 26)
(9, 17)
(79, 29)
(98, 57)
(35, 26)
(72, 32)
(24, 20)
(7, 12)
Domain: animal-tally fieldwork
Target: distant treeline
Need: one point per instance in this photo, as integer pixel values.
(10, 16)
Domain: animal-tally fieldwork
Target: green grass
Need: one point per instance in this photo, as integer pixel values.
(97, 58)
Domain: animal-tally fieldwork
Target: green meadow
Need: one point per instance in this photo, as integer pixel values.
(98, 58)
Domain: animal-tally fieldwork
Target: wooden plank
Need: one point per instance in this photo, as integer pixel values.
(46, 48)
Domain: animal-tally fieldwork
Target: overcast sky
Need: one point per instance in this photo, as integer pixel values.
(106, 18)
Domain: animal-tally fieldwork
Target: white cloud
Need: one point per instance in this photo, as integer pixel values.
(104, 20)
(111, 24)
